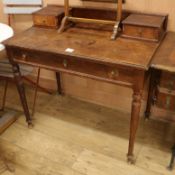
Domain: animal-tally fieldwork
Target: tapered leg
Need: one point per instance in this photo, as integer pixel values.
(58, 83)
(136, 105)
(21, 90)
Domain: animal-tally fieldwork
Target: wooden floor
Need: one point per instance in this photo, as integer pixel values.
(72, 137)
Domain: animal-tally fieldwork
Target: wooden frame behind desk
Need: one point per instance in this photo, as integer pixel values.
(94, 55)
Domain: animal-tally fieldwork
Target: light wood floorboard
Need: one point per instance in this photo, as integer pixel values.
(72, 137)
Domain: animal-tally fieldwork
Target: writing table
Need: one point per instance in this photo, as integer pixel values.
(163, 76)
(85, 52)
(161, 103)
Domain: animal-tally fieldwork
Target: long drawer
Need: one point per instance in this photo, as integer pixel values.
(75, 65)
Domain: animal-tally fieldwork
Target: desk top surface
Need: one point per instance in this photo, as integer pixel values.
(89, 44)
(164, 58)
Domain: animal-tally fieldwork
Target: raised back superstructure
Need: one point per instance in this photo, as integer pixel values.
(70, 18)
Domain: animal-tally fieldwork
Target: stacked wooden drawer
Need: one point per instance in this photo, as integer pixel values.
(166, 92)
(49, 17)
(144, 27)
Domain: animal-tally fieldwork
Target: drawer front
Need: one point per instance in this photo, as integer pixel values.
(167, 80)
(138, 32)
(165, 100)
(47, 21)
(77, 66)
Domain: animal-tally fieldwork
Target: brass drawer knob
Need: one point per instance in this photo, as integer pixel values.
(65, 63)
(24, 56)
(114, 73)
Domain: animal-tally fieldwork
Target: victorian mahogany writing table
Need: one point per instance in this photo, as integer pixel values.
(86, 52)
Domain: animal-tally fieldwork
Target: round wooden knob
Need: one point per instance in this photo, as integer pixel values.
(65, 63)
(113, 74)
(24, 56)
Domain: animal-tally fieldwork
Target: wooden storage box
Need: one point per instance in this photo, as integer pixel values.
(144, 27)
(48, 17)
(165, 99)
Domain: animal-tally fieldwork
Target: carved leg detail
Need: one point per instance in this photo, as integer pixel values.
(21, 90)
(58, 83)
(136, 104)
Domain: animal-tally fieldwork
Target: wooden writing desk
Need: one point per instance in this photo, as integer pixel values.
(163, 75)
(161, 103)
(123, 61)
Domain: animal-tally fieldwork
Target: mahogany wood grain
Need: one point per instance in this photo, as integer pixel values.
(89, 44)
(85, 52)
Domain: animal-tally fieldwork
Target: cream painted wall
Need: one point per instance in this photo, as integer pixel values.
(2, 16)
(90, 90)
(153, 6)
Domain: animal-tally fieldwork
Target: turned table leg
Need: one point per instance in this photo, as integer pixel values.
(21, 90)
(136, 105)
